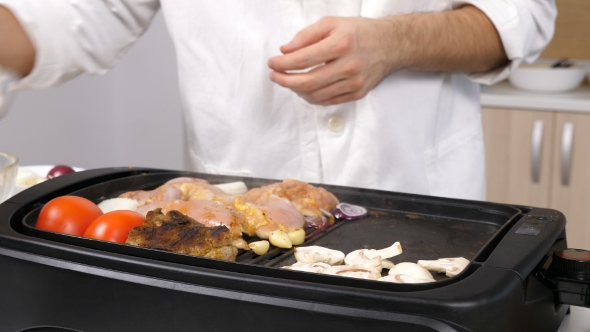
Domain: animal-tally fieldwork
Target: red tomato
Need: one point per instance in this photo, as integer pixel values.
(68, 215)
(114, 226)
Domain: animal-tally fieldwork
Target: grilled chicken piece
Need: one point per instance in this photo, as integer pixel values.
(208, 213)
(307, 199)
(177, 232)
(182, 188)
(268, 215)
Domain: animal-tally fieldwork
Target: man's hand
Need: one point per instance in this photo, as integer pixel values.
(349, 57)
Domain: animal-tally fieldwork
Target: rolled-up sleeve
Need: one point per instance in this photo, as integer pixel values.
(79, 36)
(525, 28)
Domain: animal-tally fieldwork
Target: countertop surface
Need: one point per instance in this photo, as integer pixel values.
(577, 321)
(504, 95)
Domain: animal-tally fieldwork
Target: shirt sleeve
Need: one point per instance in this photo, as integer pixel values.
(525, 28)
(78, 36)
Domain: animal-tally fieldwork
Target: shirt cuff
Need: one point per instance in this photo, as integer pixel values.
(525, 30)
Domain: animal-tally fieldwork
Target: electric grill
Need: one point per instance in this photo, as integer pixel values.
(58, 282)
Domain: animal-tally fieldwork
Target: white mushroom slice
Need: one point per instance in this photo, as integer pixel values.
(387, 264)
(372, 257)
(394, 250)
(308, 267)
(450, 266)
(365, 258)
(354, 272)
(317, 254)
(412, 269)
(404, 279)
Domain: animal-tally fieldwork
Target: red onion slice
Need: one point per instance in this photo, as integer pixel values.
(349, 212)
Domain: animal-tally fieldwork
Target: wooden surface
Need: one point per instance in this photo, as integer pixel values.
(573, 199)
(572, 31)
(508, 137)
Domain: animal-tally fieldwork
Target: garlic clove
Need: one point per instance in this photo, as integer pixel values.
(280, 238)
(259, 247)
(297, 236)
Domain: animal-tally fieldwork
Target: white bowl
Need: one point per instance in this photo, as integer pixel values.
(546, 79)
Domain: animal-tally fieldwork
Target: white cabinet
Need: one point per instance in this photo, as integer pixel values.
(541, 158)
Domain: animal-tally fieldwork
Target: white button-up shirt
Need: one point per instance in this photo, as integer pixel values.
(417, 132)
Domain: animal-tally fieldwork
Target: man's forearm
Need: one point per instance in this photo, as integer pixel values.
(16, 50)
(458, 40)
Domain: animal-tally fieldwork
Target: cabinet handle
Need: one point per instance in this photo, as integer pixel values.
(536, 148)
(567, 142)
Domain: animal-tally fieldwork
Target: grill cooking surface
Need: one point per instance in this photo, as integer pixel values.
(425, 231)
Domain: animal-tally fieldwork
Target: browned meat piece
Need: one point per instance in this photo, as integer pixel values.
(182, 234)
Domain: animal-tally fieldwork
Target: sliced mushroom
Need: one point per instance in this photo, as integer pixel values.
(450, 266)
(373, 258)
(317, 254)
(404, 279)
(364, 258)
(308, 267)
(387, 264)
(411, 269)
(394, 250)
(354, 272)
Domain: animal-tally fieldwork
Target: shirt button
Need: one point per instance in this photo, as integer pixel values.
(336, 124)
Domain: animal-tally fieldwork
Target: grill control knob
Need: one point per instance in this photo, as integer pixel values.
(572, 263)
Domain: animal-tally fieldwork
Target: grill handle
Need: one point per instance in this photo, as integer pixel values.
(536, 149)
(567, 142)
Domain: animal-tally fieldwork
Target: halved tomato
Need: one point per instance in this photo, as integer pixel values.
(114, 226)
(68, 215)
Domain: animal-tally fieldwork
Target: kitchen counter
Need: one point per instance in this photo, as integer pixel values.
(577, 321)
(504, 95)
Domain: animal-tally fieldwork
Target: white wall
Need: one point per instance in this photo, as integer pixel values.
(128, 117)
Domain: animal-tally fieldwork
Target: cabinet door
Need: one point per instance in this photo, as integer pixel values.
(570, 191)
(518, 155)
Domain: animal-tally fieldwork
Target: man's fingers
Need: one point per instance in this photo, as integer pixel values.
(304, 58)
(316, 78)
(352, 88)
(313, 46)
(310, 35)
